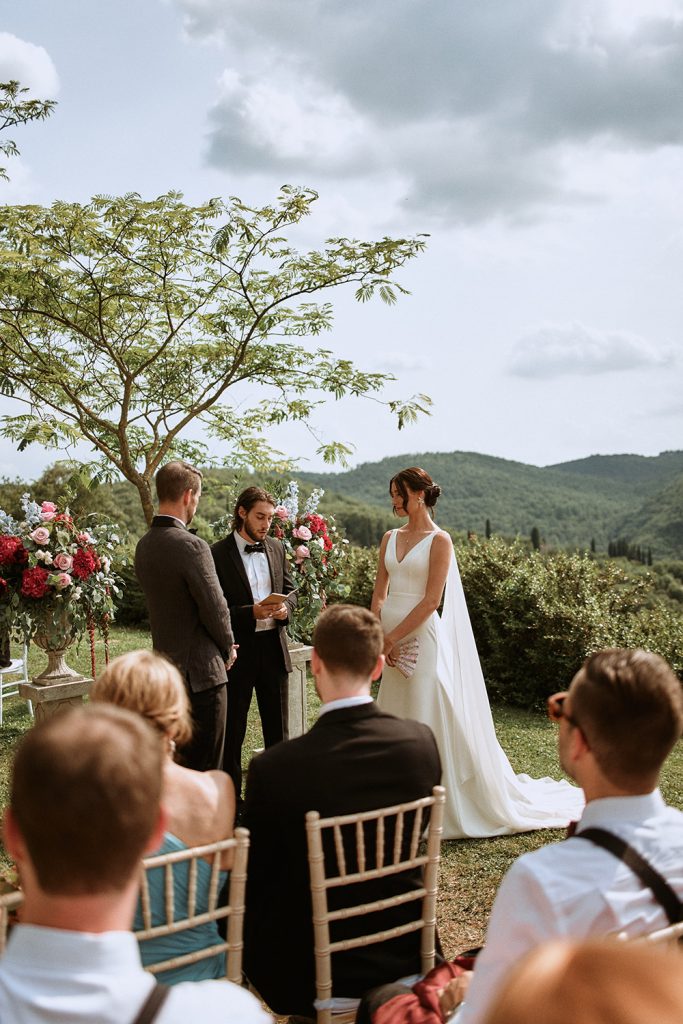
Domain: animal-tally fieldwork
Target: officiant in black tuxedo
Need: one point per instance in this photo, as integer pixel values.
(251, 566)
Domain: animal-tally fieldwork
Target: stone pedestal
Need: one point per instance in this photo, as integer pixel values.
(297, 704)
(57, 696)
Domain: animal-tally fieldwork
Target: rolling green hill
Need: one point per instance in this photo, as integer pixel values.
(600, 498)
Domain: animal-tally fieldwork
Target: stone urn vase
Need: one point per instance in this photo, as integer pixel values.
(55, 633)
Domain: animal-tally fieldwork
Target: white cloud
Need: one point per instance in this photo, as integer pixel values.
(30, 65)
(480, 108)
(559, 350)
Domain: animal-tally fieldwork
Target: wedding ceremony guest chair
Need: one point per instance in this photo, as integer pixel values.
(194, 915)
(9, 903)
(352, 849)
(18, 671)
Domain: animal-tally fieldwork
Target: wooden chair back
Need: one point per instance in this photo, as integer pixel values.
(9, 902)
(382, 842)
(17, 670)
(233, 909)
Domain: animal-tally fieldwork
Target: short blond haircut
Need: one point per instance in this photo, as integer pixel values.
(150, 684)
(591, 983)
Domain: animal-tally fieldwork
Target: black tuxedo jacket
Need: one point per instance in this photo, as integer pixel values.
(353, 759)
(237, 590)
(188, 614)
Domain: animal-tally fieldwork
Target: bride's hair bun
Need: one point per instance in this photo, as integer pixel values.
(431, 495)
(417, 480)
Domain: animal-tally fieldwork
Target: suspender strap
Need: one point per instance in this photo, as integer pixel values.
(152, 1004)
(661, 889)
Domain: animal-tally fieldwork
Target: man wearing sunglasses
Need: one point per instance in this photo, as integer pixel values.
(617, 723)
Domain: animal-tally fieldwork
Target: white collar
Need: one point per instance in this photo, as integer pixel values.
(622, 808)
(62, 950)
(345, 702)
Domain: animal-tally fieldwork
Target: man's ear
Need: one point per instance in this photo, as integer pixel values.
(157, 836)
(11, 836)
(378, 669)
(315, 662)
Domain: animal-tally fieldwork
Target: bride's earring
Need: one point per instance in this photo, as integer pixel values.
(420, 501)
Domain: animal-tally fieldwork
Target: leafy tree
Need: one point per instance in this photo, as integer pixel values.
(488, 529)
(125, 322)
(535, 538)
(14, 110)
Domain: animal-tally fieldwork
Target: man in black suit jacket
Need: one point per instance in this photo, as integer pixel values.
(355, 758)
(188, 614)
(251, 566)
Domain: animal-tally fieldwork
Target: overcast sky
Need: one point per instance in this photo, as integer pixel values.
(539, 142)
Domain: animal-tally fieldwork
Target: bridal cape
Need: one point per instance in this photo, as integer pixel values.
(448, 693)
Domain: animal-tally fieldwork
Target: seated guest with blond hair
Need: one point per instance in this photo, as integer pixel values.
(200, 805)
(84, 809)
(594, 983)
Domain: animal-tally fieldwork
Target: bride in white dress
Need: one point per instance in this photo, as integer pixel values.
(446, 690)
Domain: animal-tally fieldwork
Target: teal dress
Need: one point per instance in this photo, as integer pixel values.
(191, 939)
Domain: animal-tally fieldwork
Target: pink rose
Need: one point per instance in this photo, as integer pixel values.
(61, 581)
(48, 510)
(302, 532)
(63, 562)
(40, 535)
(301, 552)
(84, 538)
(281, 512)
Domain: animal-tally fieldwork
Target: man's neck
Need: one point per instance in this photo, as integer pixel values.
(108, 912)
(176, 511)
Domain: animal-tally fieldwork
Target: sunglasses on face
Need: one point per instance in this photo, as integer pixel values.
(556, 708)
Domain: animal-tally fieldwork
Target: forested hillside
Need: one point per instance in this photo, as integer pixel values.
(599, 499)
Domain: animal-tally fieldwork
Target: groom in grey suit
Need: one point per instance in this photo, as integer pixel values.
(188, 614)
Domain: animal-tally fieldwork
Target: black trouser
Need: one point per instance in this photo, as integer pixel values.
(260, 667)
(205, 749)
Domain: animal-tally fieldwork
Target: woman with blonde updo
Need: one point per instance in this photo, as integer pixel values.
(433, 675)
(200, 805)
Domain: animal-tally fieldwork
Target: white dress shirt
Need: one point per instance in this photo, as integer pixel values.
(575, 889)
(345, 702)
(53, 976)
(258, 573)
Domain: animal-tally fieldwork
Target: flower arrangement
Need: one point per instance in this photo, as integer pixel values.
(55, 575)
(316, 556)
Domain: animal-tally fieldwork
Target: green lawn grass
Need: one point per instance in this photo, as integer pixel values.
(471, 869)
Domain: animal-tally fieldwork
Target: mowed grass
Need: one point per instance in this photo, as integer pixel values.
(471, 869)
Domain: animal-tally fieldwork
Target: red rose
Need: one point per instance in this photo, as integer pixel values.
(85, 563)
(63, 518)
(12, 551)
(327, 543)
(278, 532)
(315, 522)
(34, 582)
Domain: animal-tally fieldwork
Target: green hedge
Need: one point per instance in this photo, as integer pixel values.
(537, 617)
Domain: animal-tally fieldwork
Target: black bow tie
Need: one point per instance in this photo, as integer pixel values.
(251, 548)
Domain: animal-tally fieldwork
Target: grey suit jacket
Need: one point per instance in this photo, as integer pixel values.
(188, 614)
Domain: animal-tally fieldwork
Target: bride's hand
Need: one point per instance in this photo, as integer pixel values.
(389, 644)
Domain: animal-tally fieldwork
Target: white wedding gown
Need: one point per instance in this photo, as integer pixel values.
(447, 693)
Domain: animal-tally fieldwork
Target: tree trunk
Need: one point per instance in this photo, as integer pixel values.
(145, 492)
